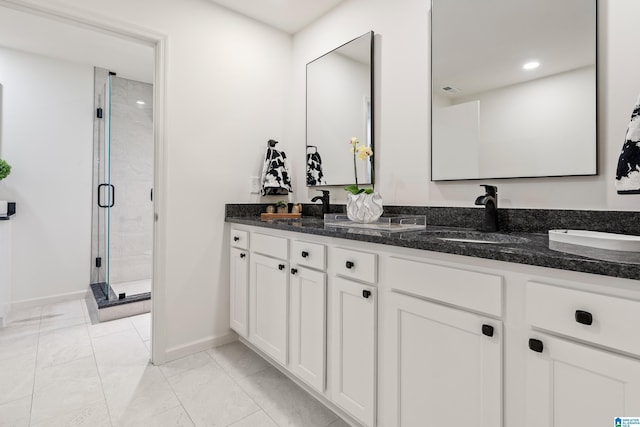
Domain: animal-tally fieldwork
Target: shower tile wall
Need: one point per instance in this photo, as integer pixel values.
(131, 233)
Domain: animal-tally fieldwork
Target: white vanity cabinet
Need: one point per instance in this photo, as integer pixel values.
(239, 282)
(309, 313)
(354, 332)
(397, 337)
(444, 362)
(582, 367)
(269, 296)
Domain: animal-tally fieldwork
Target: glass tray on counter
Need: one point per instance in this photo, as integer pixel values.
(390, 223)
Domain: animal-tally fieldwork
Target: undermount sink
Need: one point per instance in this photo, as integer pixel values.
(597, 239)
(470, 236)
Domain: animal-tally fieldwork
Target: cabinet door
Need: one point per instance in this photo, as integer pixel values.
(308, 326)
(445, 366)
(570, 384)
(269, 306)
(239, 291)
(353, 361)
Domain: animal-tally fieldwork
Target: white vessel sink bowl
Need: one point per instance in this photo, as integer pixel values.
(597, 239)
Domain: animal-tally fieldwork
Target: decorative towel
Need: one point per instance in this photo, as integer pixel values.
(275, 175)
(315, 176)
(628, 173)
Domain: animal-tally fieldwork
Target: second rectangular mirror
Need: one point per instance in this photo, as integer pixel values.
(513, 88)
(339, 107)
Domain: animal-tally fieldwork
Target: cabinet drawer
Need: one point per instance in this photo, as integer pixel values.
(277, 247)
(239, 238)
(308, 254)
(469, 289)
(355, 264)
(615, 322)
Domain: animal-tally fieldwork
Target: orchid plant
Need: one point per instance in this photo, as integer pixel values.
(362, 152)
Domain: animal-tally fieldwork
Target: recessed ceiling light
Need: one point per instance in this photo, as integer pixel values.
(140, 102)
(531, 65)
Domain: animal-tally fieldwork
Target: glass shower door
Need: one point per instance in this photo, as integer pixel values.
(123, 178)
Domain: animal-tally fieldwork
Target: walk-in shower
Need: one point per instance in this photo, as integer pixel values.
(122, 222)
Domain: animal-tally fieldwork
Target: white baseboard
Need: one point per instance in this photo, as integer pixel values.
(173, 353)
(51, 299)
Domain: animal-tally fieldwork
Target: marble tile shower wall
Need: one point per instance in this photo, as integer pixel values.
(131, 230)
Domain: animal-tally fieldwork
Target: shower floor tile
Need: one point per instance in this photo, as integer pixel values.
(132, 288)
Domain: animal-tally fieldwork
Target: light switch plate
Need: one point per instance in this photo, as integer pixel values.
(254, 184)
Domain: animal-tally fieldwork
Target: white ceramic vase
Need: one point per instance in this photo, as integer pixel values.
(364, 208)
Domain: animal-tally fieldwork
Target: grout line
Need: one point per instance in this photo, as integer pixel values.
(95, 361)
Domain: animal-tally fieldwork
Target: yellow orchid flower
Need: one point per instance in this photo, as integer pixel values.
(362, 152)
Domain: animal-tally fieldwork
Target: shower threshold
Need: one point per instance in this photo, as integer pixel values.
(103, 309)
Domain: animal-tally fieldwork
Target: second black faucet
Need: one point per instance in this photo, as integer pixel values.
(490, 202)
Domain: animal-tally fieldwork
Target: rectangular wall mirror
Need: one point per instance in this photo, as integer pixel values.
(513, 88)
(339, 107)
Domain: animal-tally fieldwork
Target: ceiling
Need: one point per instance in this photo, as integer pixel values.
(288, 15)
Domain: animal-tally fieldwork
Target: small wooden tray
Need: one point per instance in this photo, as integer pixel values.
(279, 215)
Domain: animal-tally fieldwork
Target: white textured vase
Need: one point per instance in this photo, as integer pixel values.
(364, 208)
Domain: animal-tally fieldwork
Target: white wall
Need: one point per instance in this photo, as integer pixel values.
(47, 138)
(402, 107)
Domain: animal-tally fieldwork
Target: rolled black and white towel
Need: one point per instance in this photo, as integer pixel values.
(315, 176)
(628, 172)
(275, 175)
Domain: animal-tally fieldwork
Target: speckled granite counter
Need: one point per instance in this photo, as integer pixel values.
(533, 250)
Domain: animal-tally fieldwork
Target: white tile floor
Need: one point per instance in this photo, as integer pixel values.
(58, 369)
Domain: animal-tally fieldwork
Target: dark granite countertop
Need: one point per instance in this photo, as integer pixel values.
(531, 248)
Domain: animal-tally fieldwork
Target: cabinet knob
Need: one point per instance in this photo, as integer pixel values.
(236, 238)
(294, 270)
(304, 254)
(281, 267)
(487, 330)
(536, 345)
(349, 265)
(242, 255)
(366, 293)
(584, 317)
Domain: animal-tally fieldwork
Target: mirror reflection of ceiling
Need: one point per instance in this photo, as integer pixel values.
(488, 41)
(287, 15)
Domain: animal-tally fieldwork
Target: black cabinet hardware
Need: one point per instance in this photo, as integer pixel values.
(536, 345)
(304, 254)
(294, 270)
(487, 330)
(584, 317)
(281, 267)
(242, 255)
(366, 293)
(349, 264)
(236, 238)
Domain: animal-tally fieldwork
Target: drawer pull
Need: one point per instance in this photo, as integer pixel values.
(294, 270)
(584, 317)
(349, 265)
(536, 345)
(236, 238)
(242, 255)
(281, 267)
(366, 293)
(487, 330)
(304, 254)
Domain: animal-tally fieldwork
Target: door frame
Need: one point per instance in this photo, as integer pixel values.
(158, 42)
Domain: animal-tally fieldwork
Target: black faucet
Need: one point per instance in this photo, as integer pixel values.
(325, 200)
(490, 202)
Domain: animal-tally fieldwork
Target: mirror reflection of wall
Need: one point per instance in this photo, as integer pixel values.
(494, 117)
(339, 107)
